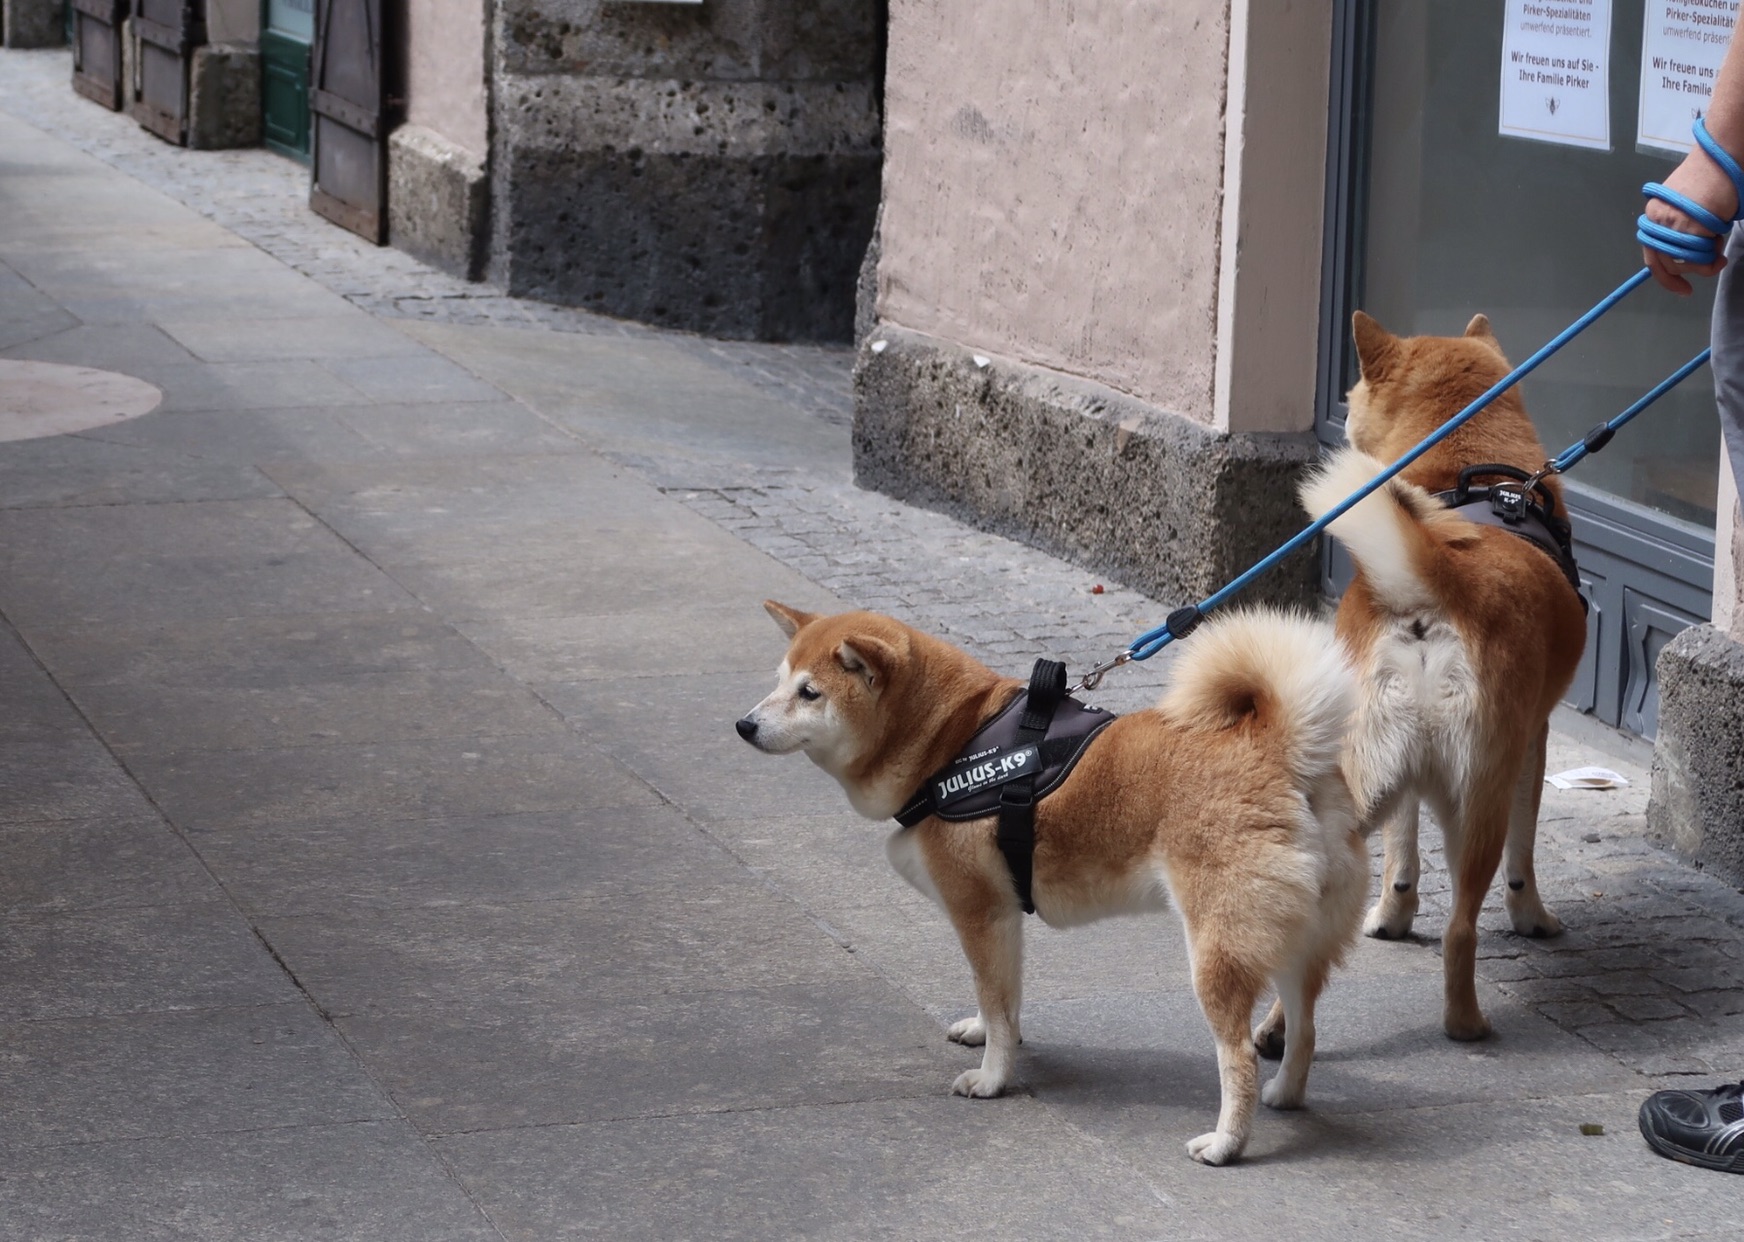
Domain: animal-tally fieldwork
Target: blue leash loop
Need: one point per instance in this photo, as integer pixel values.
(1692, 247)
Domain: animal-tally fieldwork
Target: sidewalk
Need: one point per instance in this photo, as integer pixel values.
(378, 861)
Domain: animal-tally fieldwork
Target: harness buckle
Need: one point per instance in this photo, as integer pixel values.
(1509, 504)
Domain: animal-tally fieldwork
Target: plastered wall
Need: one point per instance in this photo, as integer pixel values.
(445, 71)
(233, 21)
(1052, 185)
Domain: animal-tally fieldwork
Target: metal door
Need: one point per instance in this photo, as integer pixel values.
(96, 38)
(168, 31)
(347, 99)
(284, 59)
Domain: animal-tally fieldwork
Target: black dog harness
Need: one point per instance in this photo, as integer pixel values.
(1014, 761)
(1528, 514)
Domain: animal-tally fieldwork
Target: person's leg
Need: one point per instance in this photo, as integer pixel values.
(1727, 338)
(1706, 1127)
(1699, 1127)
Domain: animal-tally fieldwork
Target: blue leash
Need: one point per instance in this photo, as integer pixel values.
(1684, 247)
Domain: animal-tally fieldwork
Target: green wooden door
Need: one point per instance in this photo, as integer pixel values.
(286, 35)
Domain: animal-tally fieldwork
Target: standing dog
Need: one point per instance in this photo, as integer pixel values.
(1465, 636)
(1225, 800)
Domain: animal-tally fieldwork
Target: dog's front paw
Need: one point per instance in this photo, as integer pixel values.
(971, 1031)
(978, 1084)
(1214, 1148)
(1530, 918)
(1391, 917)
(1466, 1027)
(1281, 1095)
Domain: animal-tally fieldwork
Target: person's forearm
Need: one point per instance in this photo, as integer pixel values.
(1725, 115)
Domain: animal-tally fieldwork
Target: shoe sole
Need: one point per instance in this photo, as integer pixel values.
(1683, 1155)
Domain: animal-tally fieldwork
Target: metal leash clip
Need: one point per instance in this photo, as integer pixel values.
(1094, 677)
(1519, 494)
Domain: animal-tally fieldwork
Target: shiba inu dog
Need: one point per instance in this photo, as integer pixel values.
(1464, 635)
(1224, 801)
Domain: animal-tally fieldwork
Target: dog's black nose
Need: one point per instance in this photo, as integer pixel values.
(747, 727)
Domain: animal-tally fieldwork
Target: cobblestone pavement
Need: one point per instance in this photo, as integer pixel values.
(1647, 983)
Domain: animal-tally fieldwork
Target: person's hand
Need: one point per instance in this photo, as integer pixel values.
(1698, 178)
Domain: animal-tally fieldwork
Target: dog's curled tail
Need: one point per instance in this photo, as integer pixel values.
(1283, 670)
(1388, 533)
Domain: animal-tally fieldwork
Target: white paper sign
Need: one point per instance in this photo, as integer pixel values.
(1682, 45)
(1556, 72)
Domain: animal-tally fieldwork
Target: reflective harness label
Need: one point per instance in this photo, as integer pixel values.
(985, 774)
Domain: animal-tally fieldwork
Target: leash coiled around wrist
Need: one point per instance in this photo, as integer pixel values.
(1693, 248)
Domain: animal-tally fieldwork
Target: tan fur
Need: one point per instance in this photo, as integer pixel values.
(1225, 801)
(1465, 637)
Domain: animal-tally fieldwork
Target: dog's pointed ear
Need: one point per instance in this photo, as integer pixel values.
(868, 658)
(791, 620)
(1479, 330)
(1376, 348)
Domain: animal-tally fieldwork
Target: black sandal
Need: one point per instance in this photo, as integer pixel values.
(1703, 1128)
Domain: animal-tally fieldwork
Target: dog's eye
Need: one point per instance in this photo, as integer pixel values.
(809, 693)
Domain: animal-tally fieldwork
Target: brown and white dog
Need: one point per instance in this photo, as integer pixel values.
(1225, 801)
(1465, 636)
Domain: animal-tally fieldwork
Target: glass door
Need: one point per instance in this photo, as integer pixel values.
(1435, 214)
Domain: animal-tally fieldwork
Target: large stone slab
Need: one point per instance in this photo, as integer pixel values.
(487, 859)
(648, 1056)
(365, 708)
(98, 864)
(292, 648)
(372, 1179)
(162, 1075)
(915, 1169)
(506, 962)
(221, 791)
(139, 960)
(133, 564)
(62, 776)
(90, 469)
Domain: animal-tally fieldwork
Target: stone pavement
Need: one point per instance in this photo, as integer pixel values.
(377, 859)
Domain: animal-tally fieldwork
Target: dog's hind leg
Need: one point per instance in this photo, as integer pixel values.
(993, 942)
(1474, 850)
(1227, 991)
(1392, 915)
(1298, 989)
(1269, 1035)
(1526, 909)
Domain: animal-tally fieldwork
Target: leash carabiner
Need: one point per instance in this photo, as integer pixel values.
(1093, 678)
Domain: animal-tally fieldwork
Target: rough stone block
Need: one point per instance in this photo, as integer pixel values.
(438, 201)
(224, 97)
(1167, 505)
(738, 210)
(1697, 803)
(32, 23)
